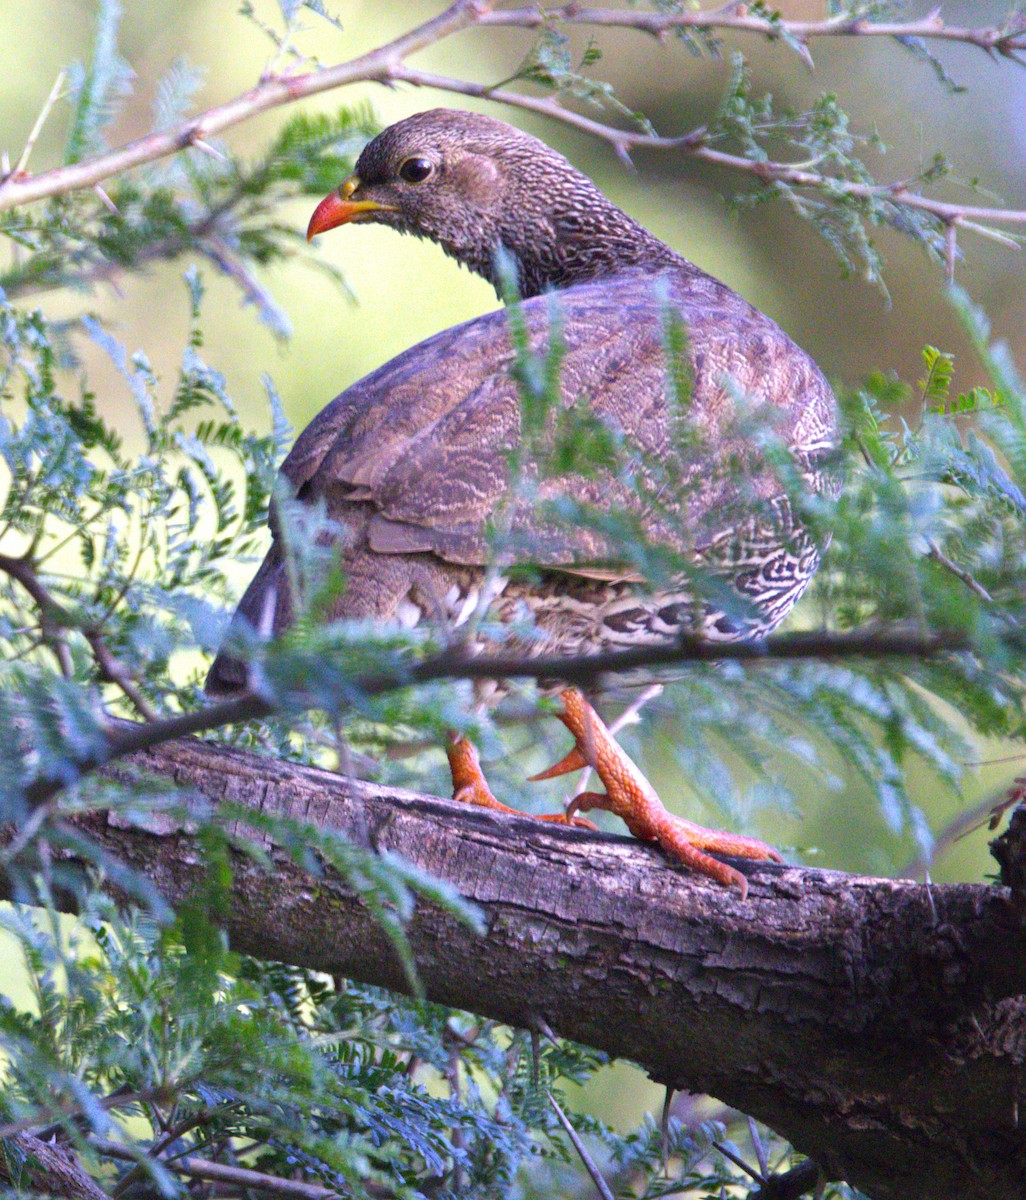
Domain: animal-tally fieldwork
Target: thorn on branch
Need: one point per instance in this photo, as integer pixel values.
(207, 148)
(950, 251)
(106, 201)
(758, 1147)
(623, 154)
(805, 54)
(20, 167)
(928, 883)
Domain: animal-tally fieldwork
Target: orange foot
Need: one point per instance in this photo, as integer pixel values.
(629, 794)
(470, 786)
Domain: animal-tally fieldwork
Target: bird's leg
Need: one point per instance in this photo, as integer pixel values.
(470, 786)
(631, 797)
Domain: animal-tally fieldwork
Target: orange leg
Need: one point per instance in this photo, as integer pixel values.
(631, 797)
(470, 786)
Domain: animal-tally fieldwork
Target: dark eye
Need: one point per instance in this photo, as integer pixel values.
(416, 169)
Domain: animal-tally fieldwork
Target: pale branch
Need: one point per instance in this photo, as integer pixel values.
(236, 1178)
(878, 1028)
(268, 94)
(387, 65)
(1007, 39)
(697, 145)
(584, 670)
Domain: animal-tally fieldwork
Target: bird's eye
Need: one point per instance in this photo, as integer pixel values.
(416, 169)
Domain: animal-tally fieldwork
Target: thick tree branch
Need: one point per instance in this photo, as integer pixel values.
(882, 1030)
(29, 1164)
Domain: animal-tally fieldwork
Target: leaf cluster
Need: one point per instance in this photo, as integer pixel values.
(207, 203)
(173, 1051)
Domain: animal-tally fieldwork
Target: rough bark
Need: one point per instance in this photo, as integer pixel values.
(30, 1164)
(878, 1025)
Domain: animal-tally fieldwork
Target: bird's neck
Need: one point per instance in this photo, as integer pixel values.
(581, 237)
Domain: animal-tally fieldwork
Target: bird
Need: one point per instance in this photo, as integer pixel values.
(412, 464)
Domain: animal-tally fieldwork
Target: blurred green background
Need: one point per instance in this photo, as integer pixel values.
(408, 289)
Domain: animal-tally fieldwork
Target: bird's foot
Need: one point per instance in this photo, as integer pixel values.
(631, 797)
(470, 786)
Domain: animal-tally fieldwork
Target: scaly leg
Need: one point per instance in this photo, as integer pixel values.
(470, 786)
(631, 797)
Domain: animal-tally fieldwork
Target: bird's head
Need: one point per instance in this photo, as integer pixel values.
(475, 185)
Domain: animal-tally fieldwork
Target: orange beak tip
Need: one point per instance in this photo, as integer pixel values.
(330, 212)
(336, 209)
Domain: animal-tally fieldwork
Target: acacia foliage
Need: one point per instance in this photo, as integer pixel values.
(144, 1029)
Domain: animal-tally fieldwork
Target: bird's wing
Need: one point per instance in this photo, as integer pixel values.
(416, 457)
(423, 445)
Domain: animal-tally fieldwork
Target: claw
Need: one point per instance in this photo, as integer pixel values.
(631, 797)
(574, 761)
(628, 794)
(470, 786)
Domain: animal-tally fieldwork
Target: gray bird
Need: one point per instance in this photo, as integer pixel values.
(413, 462)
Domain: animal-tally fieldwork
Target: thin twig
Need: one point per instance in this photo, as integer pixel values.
(237, 1177)
(580, 670)
(268, 94)
(52, 622)
(695, 143)
(738, 1161)
(159, 1146)
(589, 1163)
(114, 671)
(987, 812)
(54, 619)
(966, 577)
(66, 1110)
(664, 1127)
(1008, 39)
(585, 669)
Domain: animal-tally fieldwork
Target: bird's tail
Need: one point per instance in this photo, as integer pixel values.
(264, 611)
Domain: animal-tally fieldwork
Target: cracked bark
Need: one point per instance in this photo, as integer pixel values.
(879, 1027)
